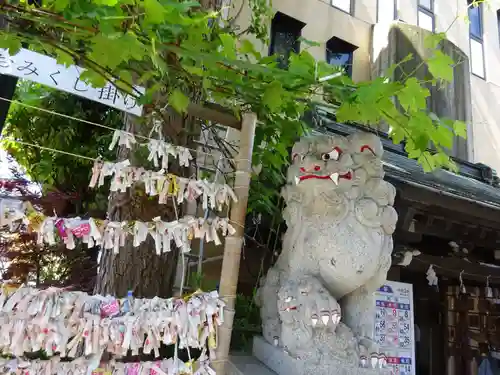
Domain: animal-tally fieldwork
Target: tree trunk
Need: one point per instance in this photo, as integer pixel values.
(137, 269)
(140, 269)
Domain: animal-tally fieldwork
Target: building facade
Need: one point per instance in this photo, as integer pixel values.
(351, 33)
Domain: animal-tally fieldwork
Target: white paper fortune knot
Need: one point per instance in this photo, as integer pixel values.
(122, 138)
(431, 276)
(82, 366)
(113, 235)
(75, 324)
(123, 176)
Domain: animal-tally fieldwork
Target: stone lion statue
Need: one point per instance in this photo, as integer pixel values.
(317, 300)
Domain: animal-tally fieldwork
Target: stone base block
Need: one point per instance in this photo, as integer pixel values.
(246, 365)
(281, 363)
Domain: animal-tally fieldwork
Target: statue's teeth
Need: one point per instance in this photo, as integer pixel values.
(381, 361)
(297, 180)
(325, 318)
(336, 317)
(314, 320)
(335, 178)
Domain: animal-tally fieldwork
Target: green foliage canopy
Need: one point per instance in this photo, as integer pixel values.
(56, 171)
(181, 52)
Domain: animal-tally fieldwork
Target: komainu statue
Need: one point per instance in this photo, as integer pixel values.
(317, 300)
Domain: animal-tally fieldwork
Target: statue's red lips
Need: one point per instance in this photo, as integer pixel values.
(346, 176)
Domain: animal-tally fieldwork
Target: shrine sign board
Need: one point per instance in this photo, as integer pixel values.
(394, 326)
(45, 70)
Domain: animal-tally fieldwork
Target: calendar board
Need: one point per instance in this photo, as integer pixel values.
(394, 326)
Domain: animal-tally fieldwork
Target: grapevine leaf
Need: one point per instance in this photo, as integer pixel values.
(272, 97)
(413, 96)
(431, 41)
(460, 129)
(64, 58)
(60, 5)
(247, 47)
(178, 101)
(228, 46)
(155, 13)
(427, 162)
(443, 136)
(441, 66)
(10, 43)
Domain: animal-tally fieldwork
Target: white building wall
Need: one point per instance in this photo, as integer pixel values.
(324, 21)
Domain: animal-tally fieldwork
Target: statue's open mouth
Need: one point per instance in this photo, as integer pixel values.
(335, 177)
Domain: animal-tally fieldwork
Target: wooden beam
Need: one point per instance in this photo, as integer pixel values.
(427, 202)
(451, 267)
(475, 211)
(214, 113)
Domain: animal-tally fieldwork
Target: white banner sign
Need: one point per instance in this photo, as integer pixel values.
(46, 71)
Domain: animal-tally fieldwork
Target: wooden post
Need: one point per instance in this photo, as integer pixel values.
(233, 244)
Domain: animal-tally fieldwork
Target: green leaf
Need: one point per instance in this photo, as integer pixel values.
(431, 41)
(460, 129)
(228, 46)
(125, 81)
(427, 162)
(178, 101)
(441, 159)
(64, 58)
(443, 136)
(441, 66)
(110, 3)
(11, 43)
(247, 47)
(413, 96)
(155, 12)
(93, 78)
(397, 135)
(302, 64)
(60, 5)
(272, 97)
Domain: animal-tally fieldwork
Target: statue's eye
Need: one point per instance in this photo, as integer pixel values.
(367, 148)
(332, 155)
(296, 157)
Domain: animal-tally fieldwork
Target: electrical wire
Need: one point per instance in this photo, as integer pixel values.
(102, 126)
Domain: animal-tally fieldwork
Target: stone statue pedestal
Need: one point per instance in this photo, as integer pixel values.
(282, 364)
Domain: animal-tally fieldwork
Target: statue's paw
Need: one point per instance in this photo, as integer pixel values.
(323, 311)
(370, 355)
(307, 301)
(375, 360)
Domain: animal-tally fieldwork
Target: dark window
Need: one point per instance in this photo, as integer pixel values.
(340, 53)
(475, 13)
(475, 20)
(425, 15)
(285, 37)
